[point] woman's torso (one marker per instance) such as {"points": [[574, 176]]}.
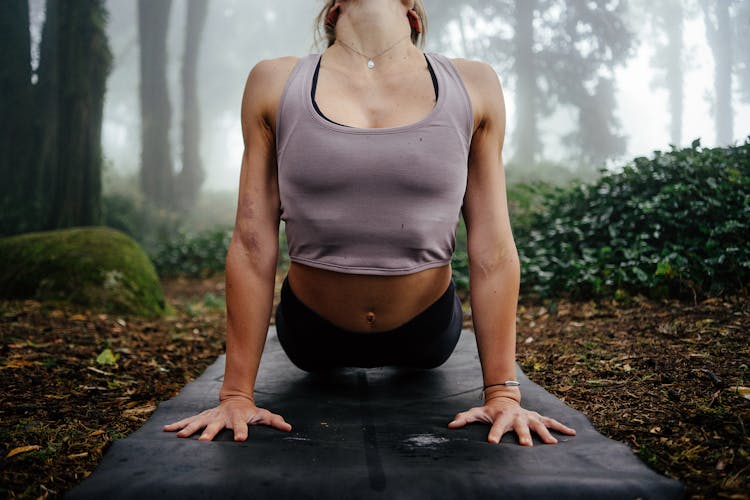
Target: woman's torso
{"points": [[364, 302]]}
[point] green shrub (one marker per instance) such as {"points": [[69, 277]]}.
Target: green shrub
{"points": [[460, 259], [675, 224], [197, 255], [149, 225], [524, 202], [202, 254]]}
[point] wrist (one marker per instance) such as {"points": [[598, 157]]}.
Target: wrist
{"points": [[509, 392], [227, 394]]}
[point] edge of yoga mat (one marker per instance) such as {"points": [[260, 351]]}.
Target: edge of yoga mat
{"points": [[369, 433]]}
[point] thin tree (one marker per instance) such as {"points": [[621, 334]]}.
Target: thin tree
{"points": [[717, 20], [554, 52], [528, 94], [156, 174], [742, 42], [667, 19], [191, 177]]}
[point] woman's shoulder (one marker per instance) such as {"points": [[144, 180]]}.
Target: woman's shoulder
{"points": [[265, 83], [269, 71], [483, 84], [475, 72]]}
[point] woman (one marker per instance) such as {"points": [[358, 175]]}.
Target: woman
{"points": [[369, 152]]}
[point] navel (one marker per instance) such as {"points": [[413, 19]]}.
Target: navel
{"points": [[370, 318]]}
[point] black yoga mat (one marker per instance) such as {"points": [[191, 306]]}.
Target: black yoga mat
{"points": [[369, 433]]}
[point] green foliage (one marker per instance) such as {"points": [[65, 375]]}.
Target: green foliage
{"points": [[125, 208], [676, 224], [460, 259], [196, 255], [107, 357], [147, 224], [201, 254], [547, 172], [524, 202]]}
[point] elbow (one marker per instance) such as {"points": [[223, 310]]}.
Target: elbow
{"points": [[495, 259], [248, 251]]}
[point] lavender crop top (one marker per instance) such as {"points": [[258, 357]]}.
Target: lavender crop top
{"points": [[383, 201]]}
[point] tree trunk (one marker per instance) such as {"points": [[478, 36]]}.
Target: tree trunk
{"points": [[742, 41], [526, 84], [191, 176], [157, 177], [15, 126], [674, 70], [719, 37], [83, 62], [598, 127], [46, 98]]}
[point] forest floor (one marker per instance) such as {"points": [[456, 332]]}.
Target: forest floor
{"points": [[666, 378]]}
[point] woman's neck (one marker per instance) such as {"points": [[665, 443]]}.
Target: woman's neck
{"points": [[371, 27]]}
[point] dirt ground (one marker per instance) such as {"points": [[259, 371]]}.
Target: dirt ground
{"points": [[668, 379]]}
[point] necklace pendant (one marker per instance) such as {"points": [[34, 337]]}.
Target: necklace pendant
{"points": [[370, 64]]}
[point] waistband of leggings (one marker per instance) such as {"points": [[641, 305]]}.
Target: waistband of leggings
{"points": [[447, 300]]}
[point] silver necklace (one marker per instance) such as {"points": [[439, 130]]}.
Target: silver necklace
{"points": [[370, 62]]}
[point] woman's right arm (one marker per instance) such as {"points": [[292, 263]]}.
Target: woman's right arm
{"points": [[250, 264]]}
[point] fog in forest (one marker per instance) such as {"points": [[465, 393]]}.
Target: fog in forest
{"points": [[587, 84]]}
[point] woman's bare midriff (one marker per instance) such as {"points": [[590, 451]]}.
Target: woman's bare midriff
{"points": [[367, 303]]}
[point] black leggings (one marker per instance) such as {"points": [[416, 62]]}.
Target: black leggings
{"points": [[313, 343]]}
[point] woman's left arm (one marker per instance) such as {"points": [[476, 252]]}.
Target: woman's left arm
{"points": [[494, 268]]}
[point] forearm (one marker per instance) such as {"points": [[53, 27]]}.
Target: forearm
{"points": [[249, 297], [494, 298]]}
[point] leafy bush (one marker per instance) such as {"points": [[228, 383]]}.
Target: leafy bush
{"points": [[525, 200], [676, 224], [460, 259], [197, 255], [202, 254], [147, 224]]}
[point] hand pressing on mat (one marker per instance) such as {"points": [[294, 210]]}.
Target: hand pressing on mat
{"points": [[234, 413], [505, 414]]}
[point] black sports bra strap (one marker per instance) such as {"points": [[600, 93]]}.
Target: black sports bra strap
{"points": [[315, 85]]}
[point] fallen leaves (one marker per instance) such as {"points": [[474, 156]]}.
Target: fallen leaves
{"points": [[74, 381], [22, 449], [106, 357], [667, 378], [140, 410], [630, 370], [18, 363]]}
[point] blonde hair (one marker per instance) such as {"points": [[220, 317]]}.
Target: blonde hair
{"points": [[327, 33]]}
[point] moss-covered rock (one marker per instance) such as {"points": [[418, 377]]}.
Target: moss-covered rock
{"points": [[96, 267]]}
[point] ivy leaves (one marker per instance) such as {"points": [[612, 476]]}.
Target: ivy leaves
{"points": [[671, 225]]}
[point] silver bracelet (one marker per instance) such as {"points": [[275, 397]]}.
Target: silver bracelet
{"points": [[509, 383]]}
